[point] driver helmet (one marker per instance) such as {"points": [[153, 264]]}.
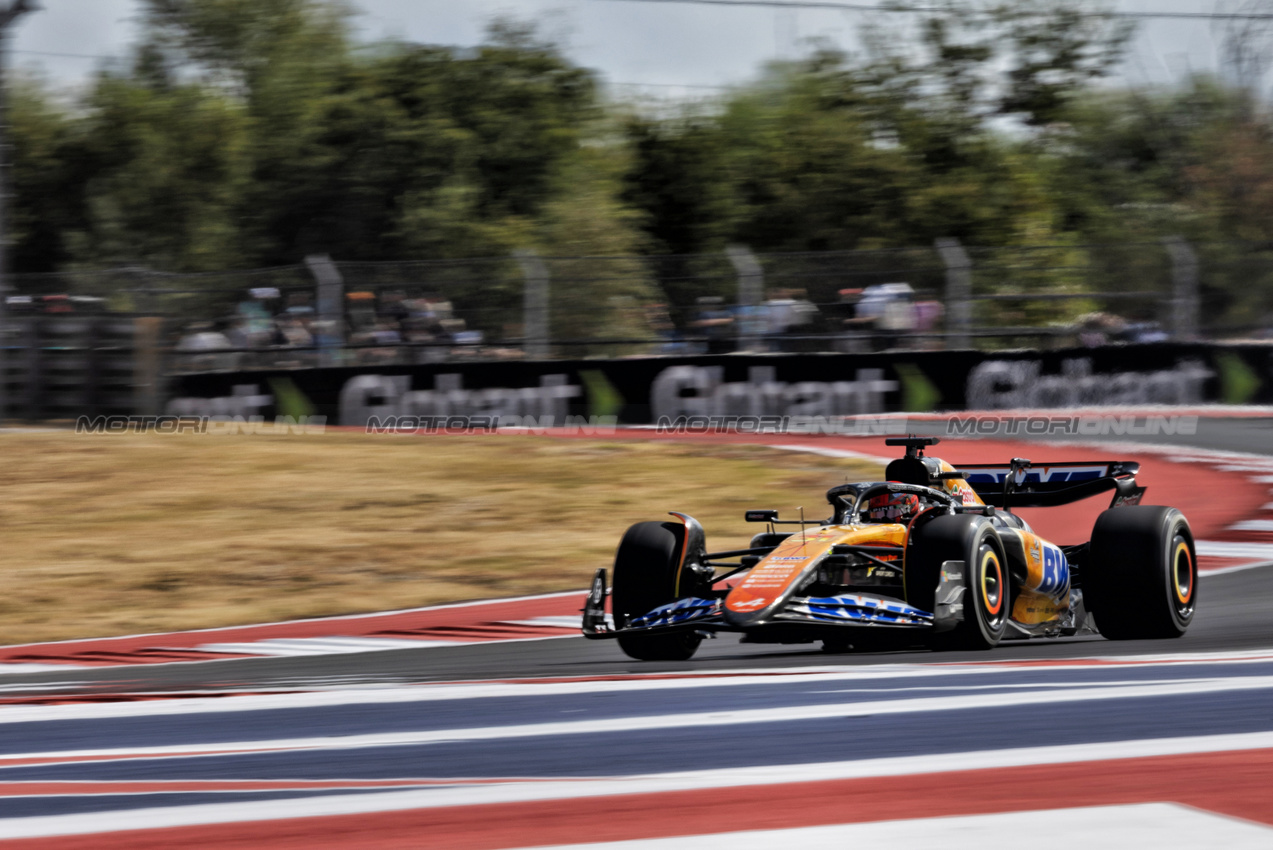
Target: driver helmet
{"points": [[893, 507]]}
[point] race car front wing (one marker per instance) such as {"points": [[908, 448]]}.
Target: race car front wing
{"points": [[842, 611]]}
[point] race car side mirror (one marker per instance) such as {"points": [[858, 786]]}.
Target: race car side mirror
{"points": [[760, 516]]}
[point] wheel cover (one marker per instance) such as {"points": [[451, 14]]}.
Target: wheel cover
{"points": [[1182, 575], [992, 595]]}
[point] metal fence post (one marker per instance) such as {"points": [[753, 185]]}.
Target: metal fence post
{"points": [[1184, 285], [958, 292], [331, 308], [751, 287], [534, 304], [146, 365]]}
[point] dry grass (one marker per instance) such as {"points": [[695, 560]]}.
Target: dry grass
{"points": [[124, 534]]}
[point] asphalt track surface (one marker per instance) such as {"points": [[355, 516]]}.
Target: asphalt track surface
{"points": [[565, 741]]}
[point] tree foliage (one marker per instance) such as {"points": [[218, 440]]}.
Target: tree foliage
{"points": [[255, 132]]}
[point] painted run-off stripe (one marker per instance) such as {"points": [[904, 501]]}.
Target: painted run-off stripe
{"points": [[123, 788], [295, 647], [1164, 826], [71, 788], [1050, 697], [1208, 662], [1131, 766], [311, 621]]}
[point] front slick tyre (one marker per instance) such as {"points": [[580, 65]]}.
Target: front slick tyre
{"points": [[987, 594], [1143, 579], [645, 576]]}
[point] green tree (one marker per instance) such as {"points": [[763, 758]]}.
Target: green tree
{"points": [[164, 171], [46, 179]]}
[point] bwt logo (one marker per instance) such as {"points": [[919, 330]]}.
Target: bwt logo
{"points": [[281, 425]]}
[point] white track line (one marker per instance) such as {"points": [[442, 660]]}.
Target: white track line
{"points": [[299, 647], [1253, 525], [1237, 568]]}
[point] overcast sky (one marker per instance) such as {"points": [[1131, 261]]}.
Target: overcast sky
{"points": [[657, 45]]}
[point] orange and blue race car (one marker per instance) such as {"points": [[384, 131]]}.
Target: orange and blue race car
{"points": [[933, 553]]}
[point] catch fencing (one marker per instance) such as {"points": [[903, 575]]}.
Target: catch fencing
{"points": [[1035, 296], [329, 314]]}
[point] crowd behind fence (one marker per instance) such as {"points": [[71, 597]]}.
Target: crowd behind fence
{"points": [[325, 313]]}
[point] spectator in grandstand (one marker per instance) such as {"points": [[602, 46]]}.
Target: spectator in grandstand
{"points": [[714, 324], [392, 307], [788, 314], [258, 321], [386, 333], [855, 331], [928, 319], [295, 332], [203, 349], [299, 304], [1097, 329], [660, 322], [360, 311], [1144, 332], [237, 332], [891, 309]]}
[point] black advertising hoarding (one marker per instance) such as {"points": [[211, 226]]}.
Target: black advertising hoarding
{"points": [[643, 390]]}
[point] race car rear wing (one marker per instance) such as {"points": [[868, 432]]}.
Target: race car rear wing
{"points": [[1022, 484]]}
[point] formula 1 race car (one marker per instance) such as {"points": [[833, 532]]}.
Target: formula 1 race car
{"points": [[932, 554]]}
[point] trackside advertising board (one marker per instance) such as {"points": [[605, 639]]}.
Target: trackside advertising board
{"points": [[650, 390]]}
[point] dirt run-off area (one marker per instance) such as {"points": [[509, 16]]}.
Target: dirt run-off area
{"points": [[132, 533]]}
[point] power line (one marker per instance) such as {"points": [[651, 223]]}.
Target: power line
{"points": [[904, 9]]}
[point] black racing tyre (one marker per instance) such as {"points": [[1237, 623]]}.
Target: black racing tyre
{"points": [[987, 585], [1142, 581], [645, 570]]}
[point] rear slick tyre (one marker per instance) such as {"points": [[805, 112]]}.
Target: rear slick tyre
{"points": [[645, 569], [1143, 580]]}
